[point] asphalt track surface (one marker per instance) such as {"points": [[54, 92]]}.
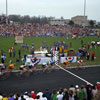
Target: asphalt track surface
{"points": [[53, 80]]}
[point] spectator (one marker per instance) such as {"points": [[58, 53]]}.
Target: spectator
{"points": [[14, 52], [88, 55], [19, 53], [48, 94], [72, 88], [81, 93], [70, 44], [30, 98], [25, 96], [17, 96], [3, 58], [88, 45], [66, 96], [43, 97], [98, 86], [94, 91], [97, 97], [1, 97], [89, 92], [60, 96], [11, 97], [5, 97], [93, 55], [37, 97], [40, 93], [54, 95], [22, 98], [33, 95], [71, 97]]}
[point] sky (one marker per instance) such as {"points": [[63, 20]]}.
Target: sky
{"points": [[54, 8]]}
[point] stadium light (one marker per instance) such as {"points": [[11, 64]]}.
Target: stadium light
{"points": [[6, 11], [84, 13]]}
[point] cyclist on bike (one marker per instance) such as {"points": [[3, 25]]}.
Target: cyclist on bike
{"points": [[2, 69], [80, 63], [44, 66], [66, 63], [11, 67], [22, 69], [52, 63]]}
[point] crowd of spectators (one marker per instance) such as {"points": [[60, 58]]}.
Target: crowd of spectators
{"points": [[73, 93], [44, 30]]}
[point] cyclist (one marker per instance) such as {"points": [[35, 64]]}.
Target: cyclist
{"points": [[11, 67], [52, 63], [22, 69], [66, 64], [44, 66], [2, 69], [80, 63]]}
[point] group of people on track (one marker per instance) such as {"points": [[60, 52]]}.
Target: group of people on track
{"points": [[67, 63], [45, 66]]}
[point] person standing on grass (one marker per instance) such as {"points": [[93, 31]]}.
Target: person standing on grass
{"points": [[10, 52], [19, 53], [88, 45], [93, 55], [3, 58], [88, 55], [70, 44], [81, 42], [14, 52]]}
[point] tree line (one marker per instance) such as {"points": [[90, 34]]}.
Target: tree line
{"points": [[26, 19]]}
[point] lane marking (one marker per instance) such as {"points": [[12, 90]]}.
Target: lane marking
{"points": [[73, 74]]}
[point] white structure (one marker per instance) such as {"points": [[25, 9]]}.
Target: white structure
{"points": [[59, 21], [79, 20]]}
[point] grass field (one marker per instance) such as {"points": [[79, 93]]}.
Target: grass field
{"points": [[7, 42]]}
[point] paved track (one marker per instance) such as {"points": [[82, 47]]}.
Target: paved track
{"points": [[55, 79]]}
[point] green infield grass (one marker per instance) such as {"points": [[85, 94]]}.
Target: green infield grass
{"points": [[7, 42]]}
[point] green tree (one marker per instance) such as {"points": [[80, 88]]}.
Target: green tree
{"points": [[71, 23], [91, 22]]}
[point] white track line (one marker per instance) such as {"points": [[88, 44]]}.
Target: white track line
{"points": [[74, 75]]}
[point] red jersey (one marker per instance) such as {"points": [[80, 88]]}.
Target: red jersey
{"points": [[98, 86], [33, 95]]}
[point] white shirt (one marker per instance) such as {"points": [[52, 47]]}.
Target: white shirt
{"points": [[1, 97], [94, 91], [72, 89], [60, 97], [40, 94]]}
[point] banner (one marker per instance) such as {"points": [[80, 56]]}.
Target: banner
{"points": [[70, 59], [19, 39], [30, 61]]}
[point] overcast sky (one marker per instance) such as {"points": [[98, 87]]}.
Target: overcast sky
{"points": [[54, 8]]}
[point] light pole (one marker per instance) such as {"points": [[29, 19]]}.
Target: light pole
{"points": [[84, 13], [6, 12]]}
